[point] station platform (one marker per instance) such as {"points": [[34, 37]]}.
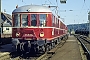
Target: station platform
{"points": [[69, 51]]}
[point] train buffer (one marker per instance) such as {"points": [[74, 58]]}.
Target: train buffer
{"points": [[69, 51]]}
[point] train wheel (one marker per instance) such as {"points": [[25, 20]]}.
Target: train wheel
{"points": [[1, 43], [36, 50], [26, 49], [58, 40], [43, 49], [18, 48], [53, 44], [48, 47]]}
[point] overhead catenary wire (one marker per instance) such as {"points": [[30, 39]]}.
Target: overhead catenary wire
{"points": [[78, 15], [84, 5], [53, 5]]}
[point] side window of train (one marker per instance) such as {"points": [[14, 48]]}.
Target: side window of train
{"points": [[24, 20], [17, 20], [52, 20], [55, 21], [42, 20], [33, 19]]}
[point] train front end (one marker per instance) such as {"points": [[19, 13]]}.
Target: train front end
{"points": [[30, 28]]}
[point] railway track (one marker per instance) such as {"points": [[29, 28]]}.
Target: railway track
{"points": [[31, 56], [4, 56], [85, 45]]}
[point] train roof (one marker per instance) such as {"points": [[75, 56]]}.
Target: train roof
{"points": [[32, 8]]}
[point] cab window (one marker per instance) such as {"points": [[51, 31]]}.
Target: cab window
{"points": [[42, 20], [24, 20], [16, 20], [33, 19]]}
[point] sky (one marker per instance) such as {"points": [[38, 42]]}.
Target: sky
{"points": [[73, 12]]}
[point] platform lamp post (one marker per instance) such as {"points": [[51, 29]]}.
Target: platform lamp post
{"points": [[89, 22]]}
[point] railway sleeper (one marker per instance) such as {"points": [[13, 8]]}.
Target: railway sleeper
{"points": [[51, 52]]}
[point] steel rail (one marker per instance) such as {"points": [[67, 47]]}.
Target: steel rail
{"points": [[87, 52]]}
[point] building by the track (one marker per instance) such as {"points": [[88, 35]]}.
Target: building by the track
{"points": [[6, 25], [74, 27]]}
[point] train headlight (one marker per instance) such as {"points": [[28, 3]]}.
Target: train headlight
{"points": [[42, 34], [17, 34]]}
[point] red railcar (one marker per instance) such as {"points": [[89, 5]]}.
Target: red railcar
{"points": [[36, 27]]}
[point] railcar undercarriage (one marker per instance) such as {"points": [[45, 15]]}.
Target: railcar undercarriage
{"points": [[35, 46]]}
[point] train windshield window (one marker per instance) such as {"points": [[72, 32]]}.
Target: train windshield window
{"points": [[17, 20], [42, 20], [24, 20], [33, 19]]}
